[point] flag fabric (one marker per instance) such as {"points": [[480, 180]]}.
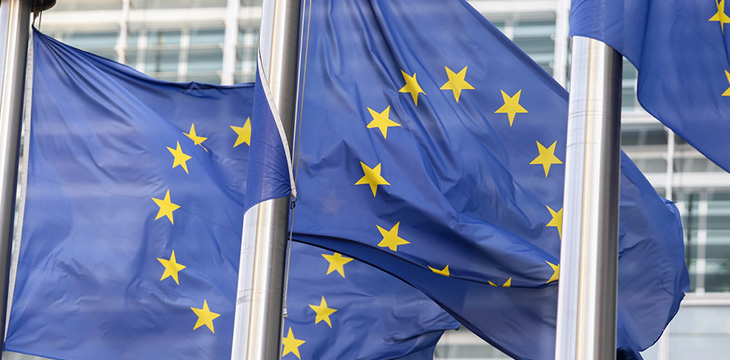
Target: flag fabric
{"points": [[269, 156], [336, 306], [132, 226], [132, 223], [433, 148], [681, 52]]}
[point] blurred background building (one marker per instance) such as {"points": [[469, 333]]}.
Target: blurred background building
{"points": [[216, 41]]}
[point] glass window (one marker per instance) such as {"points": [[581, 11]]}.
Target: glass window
{"points": [[678, 140], [652, 165], [499, 25], [468, 351], [713, 167], [630, 137], [167, 4], [690, 222], [707, 238], [131, 57], [717, 253], [628, 98], [539, 29], [160, 37], [209, 77], [162, 60], [694, 164], [205, 60], [536, 39], [132, 38], [246, 50], [207, 36], [697, 332], [629, 102], [66, 5], [535, 45], [656, 137], [699, 165], [99, 43], [172, 77], [636, 137], [91, 40], [205, 55]]}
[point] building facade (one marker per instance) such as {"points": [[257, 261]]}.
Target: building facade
{"points": [[216, 41]]}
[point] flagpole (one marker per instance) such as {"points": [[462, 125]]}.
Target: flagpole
{"points": [[587, 297], [14, 32], [258, 325]]}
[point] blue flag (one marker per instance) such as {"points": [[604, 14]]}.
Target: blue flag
{"points": [[433, 148], [681, 51], [336, 310], [269, 154], [133, 216]]}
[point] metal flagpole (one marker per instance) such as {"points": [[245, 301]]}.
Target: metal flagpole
{"points": [[14, 31], [586, 324], [257, 328]]}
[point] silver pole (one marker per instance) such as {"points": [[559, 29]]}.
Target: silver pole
{"points": [[258, 324], [257, 327], [586, 324], [15, 22]]}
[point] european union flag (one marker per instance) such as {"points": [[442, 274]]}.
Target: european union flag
{"points": [[269, 156], [133, 216], [132, 224], [681, 51], [433, 148], [336, 310]]}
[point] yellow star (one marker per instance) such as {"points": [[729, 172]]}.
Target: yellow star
{"points": [[166, 207], [381, 121], [391, 239], [546, 158], [727, 92], [411, 86], [205, 317], [291, 344], [720, 15], [456, 82], [372, 177], [556, 272], [197, 140], [244, 133], [171, 268], [557, 220], [323, 312], [511, 106], [444, 272], [181, 158], [507, 283], [337, 262]]}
